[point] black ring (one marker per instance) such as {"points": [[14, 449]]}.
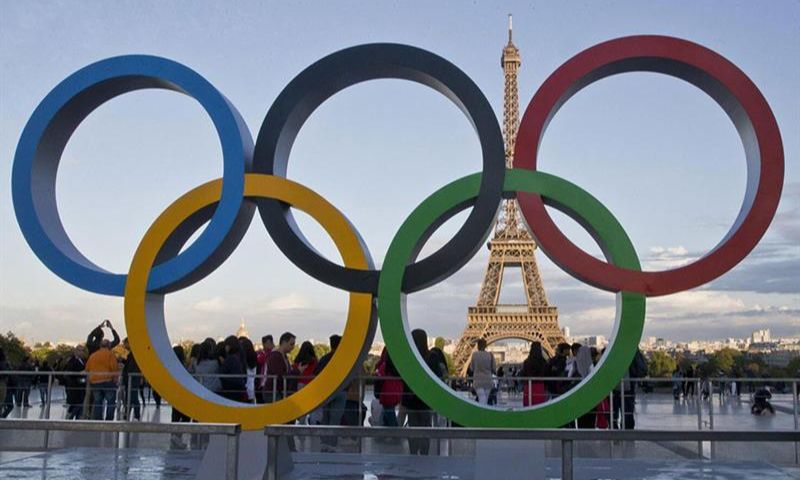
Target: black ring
{"points": [[337, 71]]}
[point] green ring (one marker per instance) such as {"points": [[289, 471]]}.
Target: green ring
{"points": [[628, 326]]}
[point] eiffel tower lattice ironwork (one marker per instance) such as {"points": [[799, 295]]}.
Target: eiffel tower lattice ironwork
{"points": [[511, 246]]}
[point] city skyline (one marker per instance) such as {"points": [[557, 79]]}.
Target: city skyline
{"points": [[674, 207]]}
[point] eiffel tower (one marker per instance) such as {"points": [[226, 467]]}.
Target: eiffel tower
{"points": [[511, 246]]}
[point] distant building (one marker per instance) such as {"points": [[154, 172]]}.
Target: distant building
{"points": [[761, 336], [242, 332], [597, 341], [780, 358]]}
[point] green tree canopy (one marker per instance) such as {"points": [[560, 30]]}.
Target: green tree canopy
{"points": [[724, 360], [14, 349], [661, 364]]}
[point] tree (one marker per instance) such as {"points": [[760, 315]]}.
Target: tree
{"points": [[793, 367], [661, 365], [724, 360], [54, 355], [14, 349], [58, 356]]}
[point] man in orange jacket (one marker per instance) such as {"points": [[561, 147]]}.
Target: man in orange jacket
{"points": [[102, 368]]}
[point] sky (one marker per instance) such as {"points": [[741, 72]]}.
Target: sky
{"points": [[659, 153]]}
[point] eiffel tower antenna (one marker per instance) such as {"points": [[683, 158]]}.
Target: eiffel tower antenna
{"points": [[511, 246]]}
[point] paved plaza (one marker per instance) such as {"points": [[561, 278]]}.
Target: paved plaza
{"points": [[80, 455]]}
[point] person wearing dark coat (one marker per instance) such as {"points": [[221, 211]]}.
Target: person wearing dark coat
{"points": [[419, 413], [75, 385], [557, 367], [233, 388], [132, 383]]}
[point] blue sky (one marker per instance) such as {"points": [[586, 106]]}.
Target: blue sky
{"points": [[659, 153]]}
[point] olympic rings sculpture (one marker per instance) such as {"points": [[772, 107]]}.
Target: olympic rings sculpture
{"points": [[254, 178]]}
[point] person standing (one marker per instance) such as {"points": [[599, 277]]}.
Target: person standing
{"points": [[534, 391], [583, 367], [102, 367], [571, 367], [354, 410], [390, 391], [267, 345], [676, 384], [278, 367], [556, 368], [637, 369], [132, 383], [176, 439], [418, 412], [75, 385], [305, 362], [250, 362], [438, 358], [482, 365], [207, 369], [333, 410], [43, 380], [233, 371], [688, 382]]}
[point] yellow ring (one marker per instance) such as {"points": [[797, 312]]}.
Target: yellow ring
{"points": [[147, 330]]}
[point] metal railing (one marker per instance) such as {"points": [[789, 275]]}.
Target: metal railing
{"points": [[229, 430], [565, 436], [509, 393]]}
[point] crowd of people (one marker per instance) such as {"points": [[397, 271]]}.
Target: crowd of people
{"points": [[16, 389], [541, 379], [98, 381]]}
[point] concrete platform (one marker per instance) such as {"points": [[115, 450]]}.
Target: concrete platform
{"points": [[149, 464]]}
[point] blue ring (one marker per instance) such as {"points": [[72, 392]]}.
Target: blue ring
{"points": [[47, 132]]}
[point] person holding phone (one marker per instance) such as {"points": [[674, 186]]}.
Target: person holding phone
{"points": [[97, 335]]}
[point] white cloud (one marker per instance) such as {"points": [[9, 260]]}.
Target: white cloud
{"points": [[663, 258], [215, 304], [293, 301], [694, 303]]}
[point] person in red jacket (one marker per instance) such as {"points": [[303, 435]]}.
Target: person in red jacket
{"points": [[391, 389], [278, 367], [305, 362], [534, 391], [267, 345]]}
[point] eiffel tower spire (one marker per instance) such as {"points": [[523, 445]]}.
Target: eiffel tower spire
{"points": [[508, 225], [511, 246]]}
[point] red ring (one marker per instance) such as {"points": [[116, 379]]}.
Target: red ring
{"points": [[721, 80]]}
